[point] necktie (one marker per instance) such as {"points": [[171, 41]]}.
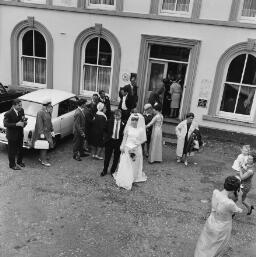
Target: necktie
{"points": [[116, 128]]}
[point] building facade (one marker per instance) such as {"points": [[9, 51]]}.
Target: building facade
{"points": [[83, 46]]}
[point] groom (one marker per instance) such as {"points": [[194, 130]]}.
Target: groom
{"points": [[113, 139]]}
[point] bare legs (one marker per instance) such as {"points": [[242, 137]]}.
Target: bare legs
{"points": [[247, 204], [97, 152]]}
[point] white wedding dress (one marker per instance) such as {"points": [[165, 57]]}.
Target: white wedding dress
{"points": [[130, 169]]}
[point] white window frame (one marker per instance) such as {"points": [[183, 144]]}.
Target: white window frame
{"points": [[235, 116], [34, 1], [245, 18], [176, 13], [27, 83], [88, 92], [101, 6]]}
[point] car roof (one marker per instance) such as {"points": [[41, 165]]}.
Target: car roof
{"points": [[38, 96]]}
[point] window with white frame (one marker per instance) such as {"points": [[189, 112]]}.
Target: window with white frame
{"points": [[33, 58], [96, 66], [108, 4], [181, 7], [238, 97], [248, 9]]}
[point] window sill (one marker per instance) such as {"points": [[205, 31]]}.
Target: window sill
{"points": [[229, 121], [175, 14]]}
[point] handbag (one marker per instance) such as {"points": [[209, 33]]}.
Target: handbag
{"points": [[41, 144]]}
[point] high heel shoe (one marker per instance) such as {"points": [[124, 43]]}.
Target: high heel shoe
{"points": [[250, 212], [186, 163]]}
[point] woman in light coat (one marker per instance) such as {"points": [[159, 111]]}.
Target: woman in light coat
{"points": [[183, 132]]}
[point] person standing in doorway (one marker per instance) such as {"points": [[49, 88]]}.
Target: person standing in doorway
{"points": [[113, 136], [15, 121], [175, 92]]}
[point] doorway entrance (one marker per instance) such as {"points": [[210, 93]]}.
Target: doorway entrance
{"points": [[166, 76]]}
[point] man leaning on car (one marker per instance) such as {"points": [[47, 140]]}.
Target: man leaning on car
{"points": [[15, 121]]}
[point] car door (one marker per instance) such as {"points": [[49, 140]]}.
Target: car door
{"points": [[66, 113]]}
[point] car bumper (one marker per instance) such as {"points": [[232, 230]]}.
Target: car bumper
{"points": [[3, 140]]}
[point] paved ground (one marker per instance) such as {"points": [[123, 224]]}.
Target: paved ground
{"points": [[68, 210]]}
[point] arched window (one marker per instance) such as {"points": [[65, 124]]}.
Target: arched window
{"points": [[96, 65], [238, 96], [33, 58]]}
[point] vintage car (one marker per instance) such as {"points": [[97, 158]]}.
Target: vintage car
{"points": [[7, 94], [64, 105]]}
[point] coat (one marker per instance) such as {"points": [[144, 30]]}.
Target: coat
{"points": [[106, 102], [108, 131], [79, 123], [10, 119], [43, 126], [181, 131]]}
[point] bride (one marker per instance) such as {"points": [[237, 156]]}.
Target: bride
{"points": [[131, 161]]}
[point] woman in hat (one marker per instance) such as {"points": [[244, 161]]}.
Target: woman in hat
{"points": [[217, 229], [156, 144], [44, 130]]}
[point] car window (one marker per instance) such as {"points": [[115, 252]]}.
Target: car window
{"points": [[2, 90], [67, 106]]}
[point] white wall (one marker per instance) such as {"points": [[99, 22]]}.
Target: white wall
{"points": [[137, 6], [215, 9], [66, 26]]}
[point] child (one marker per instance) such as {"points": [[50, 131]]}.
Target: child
{"points": [[241, 160], [148, 116], [246, 182]]}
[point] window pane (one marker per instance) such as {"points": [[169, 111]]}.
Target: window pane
{"points": [[169, 5], [108, 2], [182, 5], [249, 8], [28, 69], [91, 51], [229, 98], [95, 1], [40, 67], [63, 107], [169, 53], [250, 71], [90, 74], [27, 43], [104, 79], [40, 46], [235, 69], [105, 53], [245, 100]]}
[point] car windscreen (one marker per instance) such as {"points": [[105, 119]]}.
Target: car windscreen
{"points": [[31, 108]]}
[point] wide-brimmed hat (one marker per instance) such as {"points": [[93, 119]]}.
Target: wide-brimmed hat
{"points": [[147, 106], [46, 102]]}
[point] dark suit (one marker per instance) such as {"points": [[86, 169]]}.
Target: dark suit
{"points": [[106, 102], [14, 135], [112, 145], [132, 95], [129, 106], [79, 132]]}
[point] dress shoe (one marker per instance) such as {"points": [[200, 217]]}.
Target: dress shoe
{"points": [[103, 173], [77, 158], [98, 157], [15, 168], [21, 164], [84, 154]]}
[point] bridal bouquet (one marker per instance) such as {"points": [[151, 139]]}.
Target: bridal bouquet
{"points": [[132, 155]]}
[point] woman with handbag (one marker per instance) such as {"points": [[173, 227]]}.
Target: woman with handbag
{"points": [[43, 134]]}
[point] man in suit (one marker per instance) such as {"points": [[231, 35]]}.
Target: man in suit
{"points": [[125, 104], [15, 121], [113, 139], [132, 90], [103, 98], [79, 131]]}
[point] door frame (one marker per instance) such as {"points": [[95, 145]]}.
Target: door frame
{"points": [[142, 73]]}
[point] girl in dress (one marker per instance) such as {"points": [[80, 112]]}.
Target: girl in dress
{"points": [[148, 116], [155, 149], [241, 159], [246, 175], [131, 160], [97, 129], [217, 229]]}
